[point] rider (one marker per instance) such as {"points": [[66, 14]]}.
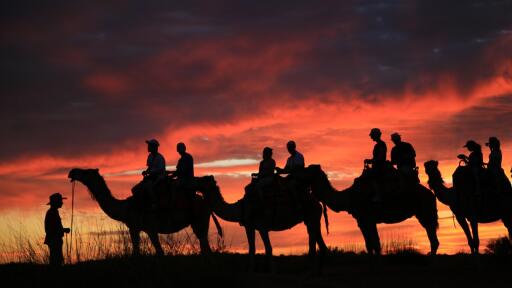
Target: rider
{"points": [[266, 171], [475, 161], [378, 161], [494, 165], [184, 169], [403, 156], [155, 171], [263, 179], [495, 156], [294, 165]]}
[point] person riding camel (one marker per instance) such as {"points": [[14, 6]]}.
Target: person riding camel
{"points": [[475, 162], [378, 162], [184, 170], [155, 171], [496, 173], [294, 165], [495, 156], [262, 180], [403, 156], [265, 175]]}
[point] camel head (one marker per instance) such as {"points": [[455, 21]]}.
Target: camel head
{"points": [[317, 179], [207, 185], [432, 170], [83, 175]]}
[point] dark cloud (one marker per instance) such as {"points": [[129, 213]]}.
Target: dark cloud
{"points": [[92, 77]]}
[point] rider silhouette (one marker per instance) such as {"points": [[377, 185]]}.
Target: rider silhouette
{"points": [[378, 162], [475, 162], [496, 173], [403, 156], [155, 171], [184, 170], [266, 171], [294, 165]]}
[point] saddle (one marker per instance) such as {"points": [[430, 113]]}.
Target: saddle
{"points": [[165, 190], [266, 200]]}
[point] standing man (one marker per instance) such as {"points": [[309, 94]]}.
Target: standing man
{"points": [[54, 230], [155, 171], [184, 169], [403, 156]]}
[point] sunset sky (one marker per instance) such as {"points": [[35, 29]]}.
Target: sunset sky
{"points": [[85, 85]]}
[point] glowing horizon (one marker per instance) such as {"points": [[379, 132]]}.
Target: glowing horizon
{"points": [[85, 89]]}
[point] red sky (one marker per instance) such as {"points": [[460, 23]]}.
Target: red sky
{"points": [[85, 86]]}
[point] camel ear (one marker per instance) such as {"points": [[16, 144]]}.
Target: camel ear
{"points": [[436, 162], [97, 170]]}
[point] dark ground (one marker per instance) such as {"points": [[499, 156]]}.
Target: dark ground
{"points": [[230, 270]]}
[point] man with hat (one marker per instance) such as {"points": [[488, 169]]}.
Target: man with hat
{"points": [[379, 151], [475, 162], [378, 162], [155, 171], [403, 156], [54, 230]]}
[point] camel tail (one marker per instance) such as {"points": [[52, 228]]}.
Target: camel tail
{"points": [[324, 208], [217, 224]]}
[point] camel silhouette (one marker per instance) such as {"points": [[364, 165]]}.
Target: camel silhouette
{"points": [[163, 221], [466, 208], [285, 217], [418, 201]]}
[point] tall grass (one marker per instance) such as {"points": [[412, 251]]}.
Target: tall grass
{"points": [[101, 243]]}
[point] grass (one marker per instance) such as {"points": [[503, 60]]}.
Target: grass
{"points": [[103, 257]]}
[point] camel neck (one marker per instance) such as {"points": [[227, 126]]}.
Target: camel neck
{"points": [[114, 208]]}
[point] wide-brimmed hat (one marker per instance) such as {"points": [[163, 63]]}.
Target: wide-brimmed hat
{"points": [[471, 143], [55, 197]]}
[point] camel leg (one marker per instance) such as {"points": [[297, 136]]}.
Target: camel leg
{"points": [[430, 225], [465, 227], [252, 246], [268, 250], [371, 237], [153, 236], [476, 239], [202, 235], [135, 236], [375, 237]]}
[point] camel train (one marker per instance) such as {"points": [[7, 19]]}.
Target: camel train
{"points": [[390, 196]]}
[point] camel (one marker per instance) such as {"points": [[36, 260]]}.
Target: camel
{"points": [[163, 221], [284, 217], [419, 202], [497, 208]]}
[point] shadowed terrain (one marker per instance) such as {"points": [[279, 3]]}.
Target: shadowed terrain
{"points": [[229, 270]]}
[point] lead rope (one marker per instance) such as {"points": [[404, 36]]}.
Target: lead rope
{"points": [[71, 226]]}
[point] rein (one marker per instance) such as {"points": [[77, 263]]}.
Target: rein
{"points": [[70, 247]]}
